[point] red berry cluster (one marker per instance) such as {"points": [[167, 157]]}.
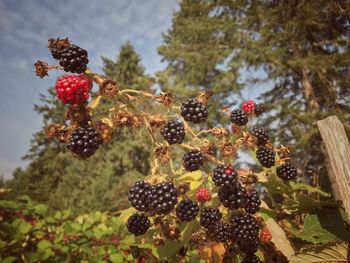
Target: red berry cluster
{"points": [[73, 89], [203, 195], [248, 106]]}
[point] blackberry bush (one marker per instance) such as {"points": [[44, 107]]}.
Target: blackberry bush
{"points": [[187, 210], [286, 172], [138, 224], [139, 196], [209, 216], [233, 196], [194, 111], [173, 132], [266, 157], [224, 174], [84, 141], [192, 160]]}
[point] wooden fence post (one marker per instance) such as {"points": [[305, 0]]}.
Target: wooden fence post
{"points": [[338, 150]]}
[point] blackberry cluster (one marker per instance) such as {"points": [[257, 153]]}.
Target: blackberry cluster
{"points": [[224, 174], [259, 109], [138, 224], [194, 111], [260, 134], [232, 196], [74, 59], [253, 202], [57, 50], [251, 259], [239, 117], [163, 197], [139, 196], [286, 172], [187, 210], [192, 160], [173, 132], [84, 141], [246, 232], [266, 157], [222, 231], [209, 216]]}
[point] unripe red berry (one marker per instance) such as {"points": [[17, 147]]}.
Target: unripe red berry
{"points": [[203, 195], [248, 106], [73, 89], [265, 235]]}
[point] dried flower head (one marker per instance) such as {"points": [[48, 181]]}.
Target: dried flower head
{"points": [[183, 188], [41, 68], [54, 42], [205, 96], [108, 87], [227, 149], [58, 131], [208, 150], [162, 153], [78, 114], [165, 98], [220, 132], [157, 120], [128, 119]]}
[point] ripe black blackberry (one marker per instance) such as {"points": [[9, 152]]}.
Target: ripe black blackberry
{"points": [[138, 224], [84, 141], [57, 50], [259, 109], [253, 202], [173, 132], [260, 134], [251, 258], [239, 117], [194, 111], [139, 196], [187, 210], [245, 228], [248, 247], [232, 196], [222, 231], [266, 157], [286, 172], [163, 197], [74, 59], [224, 174], [209, 216], [192, 160]]}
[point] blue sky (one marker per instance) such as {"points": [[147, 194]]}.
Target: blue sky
{"points": [[100, 26]]}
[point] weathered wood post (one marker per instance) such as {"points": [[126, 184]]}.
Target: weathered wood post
{"points": [[338, 150]]}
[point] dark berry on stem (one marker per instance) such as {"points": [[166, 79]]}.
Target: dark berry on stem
{"points": [[224, 174], [209, 216], [259, 109], [260, 134], [222, 231], [266, 157], [239, 117], [192, 160], [232, 196], [286, 172], [163, 197], [74, 59], [246, 229], [139, 196], [194, 111], [187, 210], [84, 141], [251, 258], [138, 224], [253, 202], [173, 132]]}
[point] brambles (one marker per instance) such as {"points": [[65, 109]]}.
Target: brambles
{"points": [[232, 196], [139, 196], [187, 210], [138, 224], [286, 172], [192, 160], [224, 174], [209, 216], [238, 117], [84, 141], [260, 135], [72, 89], [173, 132], [194, 111], [253, 202], [203, 195], [266, 157], [74, 59]]}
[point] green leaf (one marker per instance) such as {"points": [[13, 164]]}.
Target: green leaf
{"points": [[337, 253], [116, 258], [189, 229], [309, 188], [40, 209], [76, 226], [44, 244], [169, 249], [24, 227], [190, 177], [8, 260]]}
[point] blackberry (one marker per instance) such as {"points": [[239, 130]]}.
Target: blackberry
{"points": [[192, 160], [209, 216], [194, 111], [173, 132], [251, 258], [57, 50], [245, 229], [163, 197], [259, 109], [248, 247], [222, 231], [253, 202], [286, 172], [138, 224], [232, 196], [74, 59], [266, 157], [224, 174], [260, 134], [139, 196], [84, 141], [239, 117], [187, 210]]}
